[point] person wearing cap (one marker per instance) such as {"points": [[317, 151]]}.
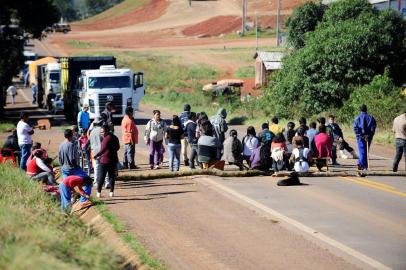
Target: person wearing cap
{"points": [[130, 138], [83, 119], [107, 116], [24, 135], [184, 117]]}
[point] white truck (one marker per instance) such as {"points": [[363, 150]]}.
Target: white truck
{"points": [[52, 78], [96, 81]]}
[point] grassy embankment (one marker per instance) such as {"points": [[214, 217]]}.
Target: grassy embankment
{"points": [[35, 234], [6, 126]]}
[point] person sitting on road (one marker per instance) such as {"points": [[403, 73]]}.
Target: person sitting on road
{"points": [[339, 141], [323, 143], [311, 133], [37, 169], [278, 152], [300, 136], [275, 128], [261, 157], [300, 157], [249, 144], [209, 148], [265, 135], [289, 134], [303, 124], [233, 150]]}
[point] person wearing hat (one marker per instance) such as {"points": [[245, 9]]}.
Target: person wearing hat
{"points": [[83, 119], [130, 138], [107, 116], [184, 117]]}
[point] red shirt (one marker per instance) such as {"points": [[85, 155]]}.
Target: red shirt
{"points": [[75, 181], [323, 144]]}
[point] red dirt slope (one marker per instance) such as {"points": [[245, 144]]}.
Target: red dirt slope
{"points": [[214, 26], [152, 11]]}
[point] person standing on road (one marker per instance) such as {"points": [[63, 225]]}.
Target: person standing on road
{"points": [[191, 127], [34, 89], [107, 116], [364, 129], [184, 117], [83, 119], [220, 125], [130, 138], [108, 159], [399, 127], [174, 135], [69, 156], [95, 144], [24, 135], [12, 91], [154, 136]]}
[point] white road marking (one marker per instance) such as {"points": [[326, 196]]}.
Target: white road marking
{"points": [[320, 236]]}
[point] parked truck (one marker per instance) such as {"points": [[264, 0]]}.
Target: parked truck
{"points": [[96, 81]]}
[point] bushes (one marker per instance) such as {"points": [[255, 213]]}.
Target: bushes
{"points": [[349, 46], [383, 98]]}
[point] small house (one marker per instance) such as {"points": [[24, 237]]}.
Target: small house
{"points": [[265, 64]]}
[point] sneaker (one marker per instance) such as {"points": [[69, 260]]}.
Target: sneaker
{"points": [[98, 194], [111, 194], [156, 167]]}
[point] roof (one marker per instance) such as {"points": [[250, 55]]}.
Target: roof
{"points": [[272, 65], [269, 56]]}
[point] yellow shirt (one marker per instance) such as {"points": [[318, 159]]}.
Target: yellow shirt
{"points": [[276, 129]]}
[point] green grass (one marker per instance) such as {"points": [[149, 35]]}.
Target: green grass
{"points": [[266, 33], [6, 126], [245, 72], [79, 44], [116, 11], [36, 234], [130, 239]]}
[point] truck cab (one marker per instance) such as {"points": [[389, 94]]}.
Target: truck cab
{"points": [[121, 87], [52, 78]]}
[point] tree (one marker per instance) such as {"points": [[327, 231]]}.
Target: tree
{"points": [[303, 20], [353, 43], [32, 16]]}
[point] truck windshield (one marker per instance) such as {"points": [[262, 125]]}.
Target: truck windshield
{"points": [[109, 82], [54, 77]]}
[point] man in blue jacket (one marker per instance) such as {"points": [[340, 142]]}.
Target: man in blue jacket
{"points": [[364, 129], [83, 119]]}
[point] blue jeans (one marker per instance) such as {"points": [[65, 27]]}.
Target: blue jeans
{"points": [[25, 153], [78, 172], [174, 155], [400, 149], [66, 195]]}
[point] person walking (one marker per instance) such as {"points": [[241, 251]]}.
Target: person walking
{"points": [[184, 117], [108, 159], [107, 116], [154, 136], [24, 135], [83, 119], [364, 129], [191, 127], [12, 91], [130, 138], [174, 135], [220, 125], [399, 128], [34, 89]]}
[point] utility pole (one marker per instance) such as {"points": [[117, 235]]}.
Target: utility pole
{"points": [[256, 30], [278, 13], [244, 13]]}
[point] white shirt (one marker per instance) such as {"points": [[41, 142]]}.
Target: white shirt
{"points": [[12, 90], [42, 165], [22, 133], [249, 144], [301, 166]]}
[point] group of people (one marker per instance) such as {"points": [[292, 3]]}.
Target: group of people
{"points": [[91, 148]]}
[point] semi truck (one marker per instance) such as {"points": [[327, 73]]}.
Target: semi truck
{"points": [[96, 81]]}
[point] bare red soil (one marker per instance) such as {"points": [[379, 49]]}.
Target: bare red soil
{"points": [[214, 26], [152, 11]]}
